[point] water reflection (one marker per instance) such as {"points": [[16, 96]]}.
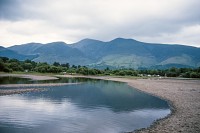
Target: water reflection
{"points": [[40, 115], [94, 106], [114, 95], [17, 80]]}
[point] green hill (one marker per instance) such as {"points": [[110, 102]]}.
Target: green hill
{"points": [[4, 52], [118, 53]]}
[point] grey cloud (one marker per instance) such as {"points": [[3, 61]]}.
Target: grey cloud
{"points": [[10, 9], [17, 10], [72, 20]]}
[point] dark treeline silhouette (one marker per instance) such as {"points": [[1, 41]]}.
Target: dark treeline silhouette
{"points": [[10, 65]]}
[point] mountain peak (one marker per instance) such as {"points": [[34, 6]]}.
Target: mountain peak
{"points": [[1, 47], [119, 39], [119, 52], [57, 43], [88, 40]]}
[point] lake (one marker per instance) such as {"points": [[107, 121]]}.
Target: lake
{"points": [[94, 106]]}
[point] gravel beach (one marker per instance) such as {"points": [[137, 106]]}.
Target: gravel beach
{"points": [[183, 96]]}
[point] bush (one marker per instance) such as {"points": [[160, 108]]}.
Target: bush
{"points": [[194, 75]]}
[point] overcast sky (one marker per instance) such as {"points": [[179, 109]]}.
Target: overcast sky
{"points": [[161, 21]]}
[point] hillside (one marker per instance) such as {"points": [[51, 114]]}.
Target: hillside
{"points": [[4, 52], [60, 52], [117, 53], [130, 53], [28, 48]]}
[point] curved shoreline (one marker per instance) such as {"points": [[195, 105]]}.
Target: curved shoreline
{"points": [[24, 88], [149, 128], [183, 97]]}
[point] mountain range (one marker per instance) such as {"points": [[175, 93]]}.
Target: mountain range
{"points": [[5, 52], [118, 53]]}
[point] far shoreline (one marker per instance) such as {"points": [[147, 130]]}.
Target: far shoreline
{"points": [[182, 95]]}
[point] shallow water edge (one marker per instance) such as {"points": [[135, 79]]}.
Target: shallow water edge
{"points": [[168, 124]]}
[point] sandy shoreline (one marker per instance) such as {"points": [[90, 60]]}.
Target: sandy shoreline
{"points": [[183, 95], [32, 77], [35, 85], [24, 88]]}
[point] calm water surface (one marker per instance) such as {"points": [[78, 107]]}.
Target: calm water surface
{"points": [[95, 106]]}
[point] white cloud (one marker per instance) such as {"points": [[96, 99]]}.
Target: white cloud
{"points": [[28, 31], [72, 20], [188, 35]]}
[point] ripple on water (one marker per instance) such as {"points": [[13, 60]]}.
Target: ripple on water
{"points": [[100, 106]]}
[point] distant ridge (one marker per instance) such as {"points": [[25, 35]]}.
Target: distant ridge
{"points": [[4, 52], [25, 48], [117, 53]]}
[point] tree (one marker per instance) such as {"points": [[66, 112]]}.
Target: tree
{"points": [[4, 59], [15, 66], [66, 65], [54, 69], [4, 67], [27, 61], [122, 73], [194, 75], [107, 69], [92, 72], [27, 66], [56, 64], [73, 66]]}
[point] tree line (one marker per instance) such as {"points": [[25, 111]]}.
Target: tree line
{"points": [[14, 65]]}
